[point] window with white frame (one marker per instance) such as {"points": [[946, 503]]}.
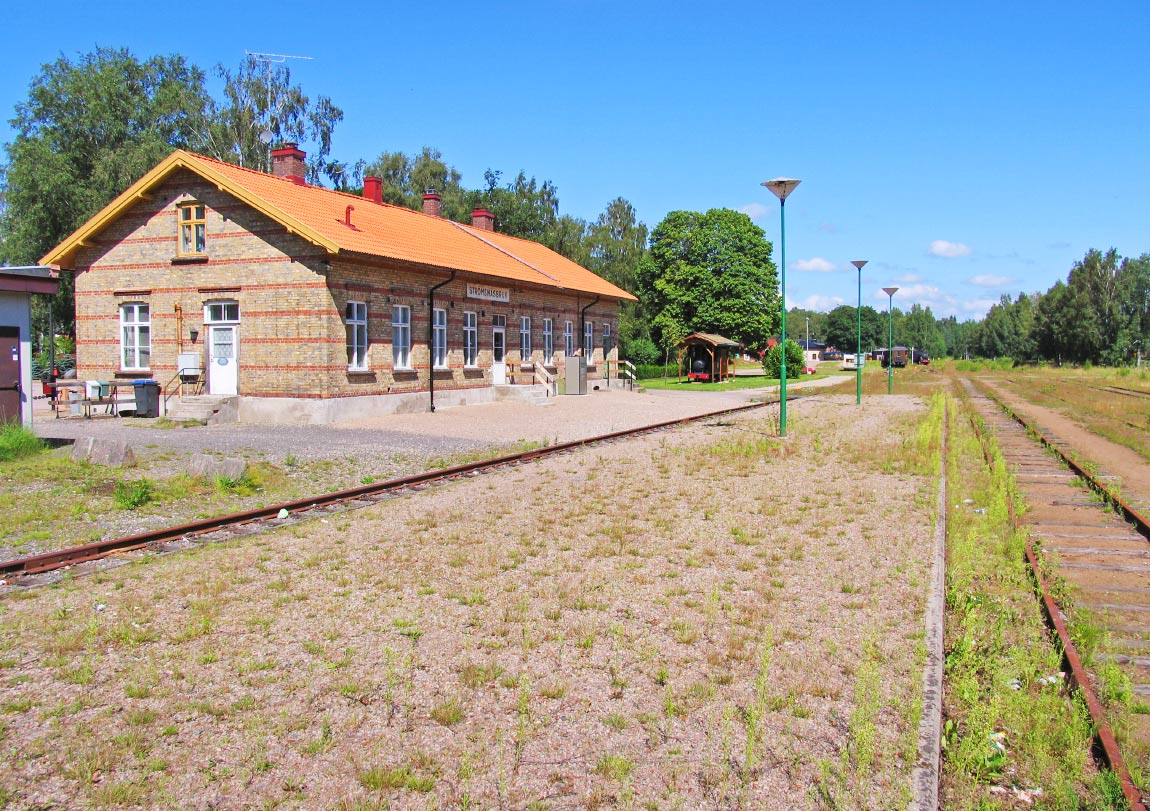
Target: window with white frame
{"points": [[356, 324], [135, 336], [548, 341], [470, 339], [439, 338], [606, 341], [524, 339], [589, 340], [568, 339], [401, 336]]}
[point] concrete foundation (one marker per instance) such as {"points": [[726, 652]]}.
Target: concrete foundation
{"points": [[302, 411]]}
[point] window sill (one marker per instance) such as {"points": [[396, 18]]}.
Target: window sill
{"points": [[360, 372], [199, 259]]}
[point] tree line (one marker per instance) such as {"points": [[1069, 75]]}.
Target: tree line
{"points": [[94, 124]]}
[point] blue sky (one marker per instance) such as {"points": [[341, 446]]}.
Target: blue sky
{"points": [[966, 149]]}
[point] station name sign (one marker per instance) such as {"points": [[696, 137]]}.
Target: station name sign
{"points": [[482, 291]]}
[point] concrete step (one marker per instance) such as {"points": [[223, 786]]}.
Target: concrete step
{"points": [[204, 408]]}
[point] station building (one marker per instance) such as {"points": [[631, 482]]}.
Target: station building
{"points": [[305, 304]]}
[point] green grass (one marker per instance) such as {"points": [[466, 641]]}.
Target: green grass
{"points": [[741, 382], [18, 442]]}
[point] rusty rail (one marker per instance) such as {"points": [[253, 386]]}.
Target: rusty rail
{"points": [[48, 561], [1106, 744]]}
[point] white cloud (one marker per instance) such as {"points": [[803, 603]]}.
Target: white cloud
{"points": [[990, 280], [755, 210], [820, 304], [908, 278], [978, 306], [949, 250], [815, 264], [926, 295]]}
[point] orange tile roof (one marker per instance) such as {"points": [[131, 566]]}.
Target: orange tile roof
{"points": [[382, 230]]}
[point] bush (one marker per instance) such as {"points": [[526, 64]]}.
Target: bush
{"points": [[16, 442], [133, 494], [652, 370], [41, 369], [642, 352], [773, 360]]}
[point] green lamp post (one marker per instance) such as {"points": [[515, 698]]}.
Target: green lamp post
{"points": [[858, 263], [890, 291], [781, 187]]}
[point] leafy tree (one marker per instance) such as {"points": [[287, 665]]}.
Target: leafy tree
{"points": [[773, 360], [568, 237], [1008, 330], [710, 272], [406, 179], [615, 245], [262, 107], [842, 325], [522, 208], [958, 336], [1133, 308], [920, 331], [89, 128]]}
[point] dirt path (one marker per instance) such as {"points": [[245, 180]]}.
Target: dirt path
{"points": [[1110, 458]]}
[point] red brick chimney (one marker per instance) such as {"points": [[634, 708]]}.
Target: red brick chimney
{"points": [[483, 219], [373, 189], [288, 163], [432, 203]]}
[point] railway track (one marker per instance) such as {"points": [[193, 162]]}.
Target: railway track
{"points": [[1099, 545], [43, 568]]}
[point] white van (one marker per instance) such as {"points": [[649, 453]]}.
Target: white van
{"points": [[849, 364]]}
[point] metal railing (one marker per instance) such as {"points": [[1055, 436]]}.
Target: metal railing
{"points": [[189, 378]]}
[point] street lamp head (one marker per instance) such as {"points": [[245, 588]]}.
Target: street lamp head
{"points": [[858, 263], [890, 291], [781, 187]]}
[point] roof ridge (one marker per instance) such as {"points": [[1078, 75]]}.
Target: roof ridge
{"points": [[502, 250]]}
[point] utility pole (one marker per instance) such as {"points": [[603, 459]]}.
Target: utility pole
{"points": [[269, 59]]}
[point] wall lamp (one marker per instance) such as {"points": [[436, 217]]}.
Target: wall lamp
{"points": [[194, 334]]}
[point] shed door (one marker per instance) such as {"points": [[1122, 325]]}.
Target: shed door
{"points": [[9, 374]]}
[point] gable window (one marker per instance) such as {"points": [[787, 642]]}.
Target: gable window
{"points": [[193, 229], [356, 335], [470, 339], [401, 336], [439, 338], [589, 340], [135, 336], [524, 339], [548, 341], [568, 339]]}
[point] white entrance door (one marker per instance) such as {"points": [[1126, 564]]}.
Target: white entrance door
{"points": [[223, 357], [498, 355]]}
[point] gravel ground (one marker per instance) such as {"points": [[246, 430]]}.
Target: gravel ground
{"points": [[696, 619]]}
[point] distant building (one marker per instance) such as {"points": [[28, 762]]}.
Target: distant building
{"points": [[17, 286]]}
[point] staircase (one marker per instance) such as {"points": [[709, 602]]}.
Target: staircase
{"points": [[208, 409]]}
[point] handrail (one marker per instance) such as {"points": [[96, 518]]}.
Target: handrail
{"points": [[627, 373], [180, 375], [547, 379]]}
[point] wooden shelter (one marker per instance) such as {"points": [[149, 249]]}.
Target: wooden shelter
{"points": [[709, 357]]}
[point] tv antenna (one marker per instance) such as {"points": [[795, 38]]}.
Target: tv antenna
{"points": [[270, 59]]}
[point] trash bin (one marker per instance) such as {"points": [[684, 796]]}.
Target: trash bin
{"points": [[147, 398]]}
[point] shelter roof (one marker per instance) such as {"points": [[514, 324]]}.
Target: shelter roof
{"points": [[347, 224], [709, 338]]}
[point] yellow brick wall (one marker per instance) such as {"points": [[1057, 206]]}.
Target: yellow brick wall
{"points": [[291, 297]]}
